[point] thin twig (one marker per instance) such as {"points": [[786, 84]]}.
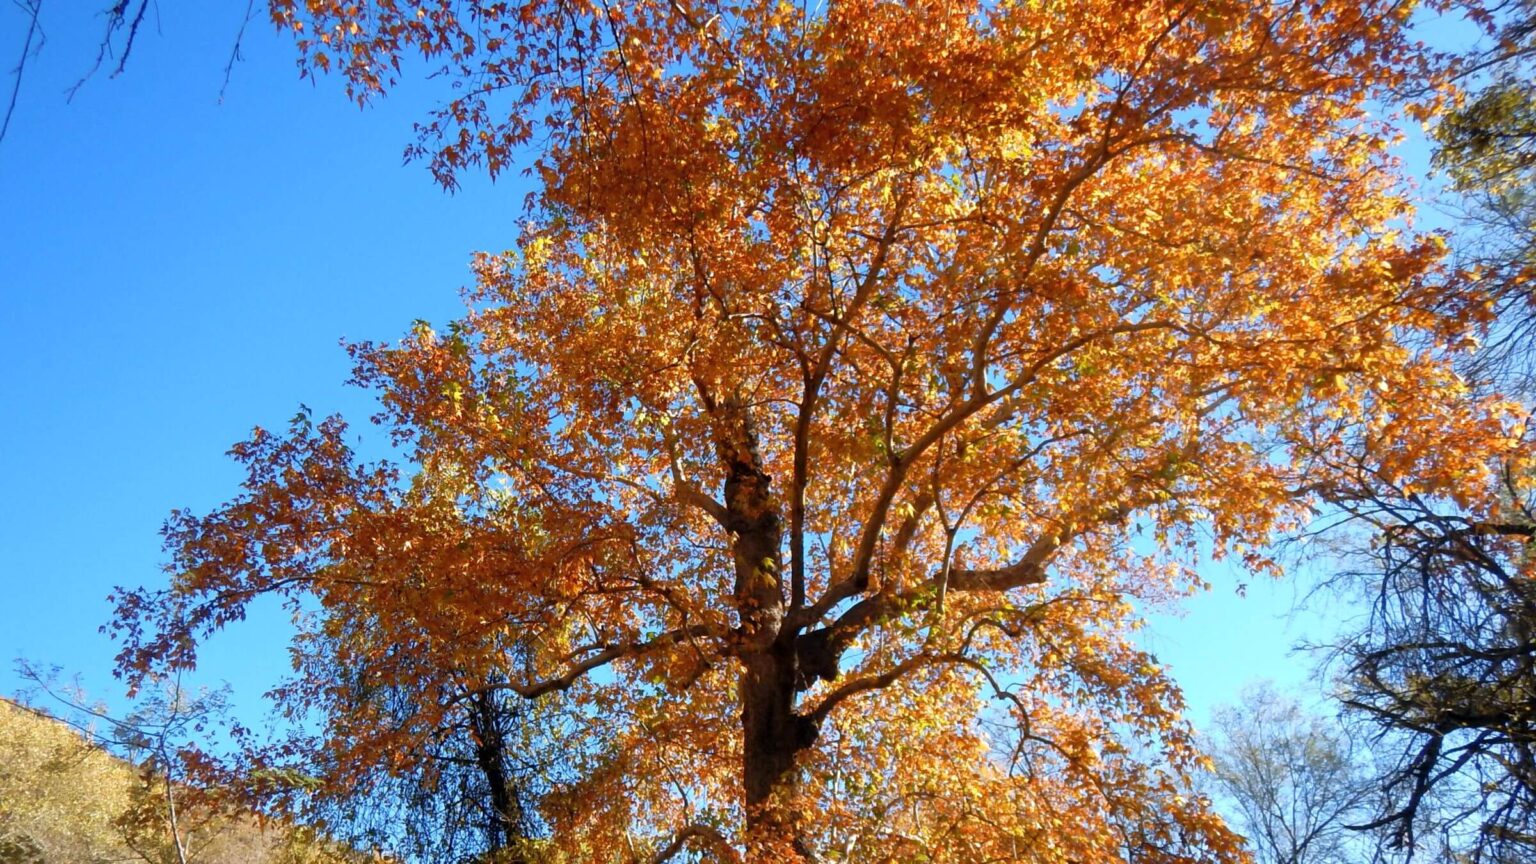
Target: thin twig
{"points": [[33, 7], [234, 52]]}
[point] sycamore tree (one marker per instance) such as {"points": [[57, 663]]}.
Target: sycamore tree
{"points": [[861, 372]]}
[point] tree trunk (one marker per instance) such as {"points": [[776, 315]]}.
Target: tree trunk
{"points": [[772, 733], [505, 829], [772, 736]]}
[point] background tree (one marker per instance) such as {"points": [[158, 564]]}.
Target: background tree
{"points": [[460, 786], [1487, 147], [1443, 670], [1439, 670], [804, 438], [1293, 780]]}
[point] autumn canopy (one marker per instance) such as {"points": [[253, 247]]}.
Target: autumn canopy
{"points": [[862, 373]]}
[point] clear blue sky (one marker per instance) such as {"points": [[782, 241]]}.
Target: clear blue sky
{"points": [[174, 271]]}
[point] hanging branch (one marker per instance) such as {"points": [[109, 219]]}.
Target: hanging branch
{"points": [[117, 19]]}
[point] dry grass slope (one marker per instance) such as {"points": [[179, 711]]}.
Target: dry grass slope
{"points": [[65, 801]]}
